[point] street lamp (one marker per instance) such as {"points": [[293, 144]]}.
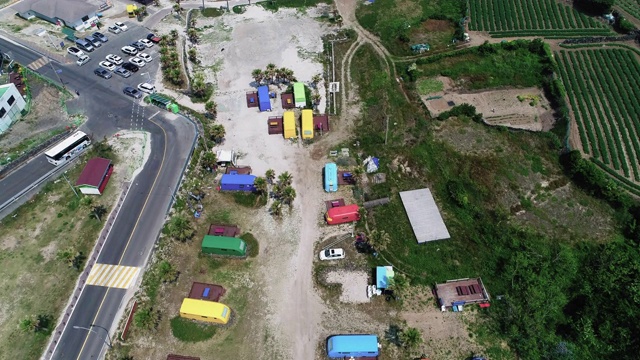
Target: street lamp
{"points": [[107, 341], [148, 77]]}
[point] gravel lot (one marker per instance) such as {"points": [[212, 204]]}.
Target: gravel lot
{"points": [[354, 285]]}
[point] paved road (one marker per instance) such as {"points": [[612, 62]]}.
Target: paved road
{"points": [[136, 228]]}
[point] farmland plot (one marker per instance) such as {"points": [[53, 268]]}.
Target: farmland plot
{"points": [[603, 86], [531, 18], [630, 6]]}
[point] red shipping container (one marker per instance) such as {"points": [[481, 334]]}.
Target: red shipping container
{"points": [[343, 214]]}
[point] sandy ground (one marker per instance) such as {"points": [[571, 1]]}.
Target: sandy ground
{"points": [[133, 150], [499, 107], [354, 285]]}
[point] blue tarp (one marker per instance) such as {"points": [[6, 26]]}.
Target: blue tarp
{"points": [[382, 277], [340, 346], [263, 98]]}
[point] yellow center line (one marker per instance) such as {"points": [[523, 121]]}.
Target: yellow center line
{"points": [[164, 153]]}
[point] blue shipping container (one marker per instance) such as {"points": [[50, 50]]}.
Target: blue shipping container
{"points": [[263, 98], [330, 177], [230, 182], [340, 346]]}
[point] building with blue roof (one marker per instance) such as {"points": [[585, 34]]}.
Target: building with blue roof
{"points": [[352, 345], [237, 182]]}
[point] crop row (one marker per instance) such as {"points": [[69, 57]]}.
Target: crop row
{"points": [[603, 86], [500, 15], [558, 34], [630, 6]]}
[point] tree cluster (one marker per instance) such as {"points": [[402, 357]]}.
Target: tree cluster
{"points": [[273, 75], [170, 59]]}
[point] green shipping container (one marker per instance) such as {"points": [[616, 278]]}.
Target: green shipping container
{"points": [[224, 245]]}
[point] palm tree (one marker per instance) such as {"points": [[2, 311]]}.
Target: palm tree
{"points": [[288, 195], [193, 55], [97, 212], [217, 133], [285, 179], [180, 228], [174, 36], [270, 72], [198, 86], [30, 324], [260, 184], [276, 208], [193, 35], [411, 338], [211, 108], [379, 239], [257, 75], [209, 161], [177, 8], [316, 97], [399, 283], [270, 175], [316, 79], [156, 2]]}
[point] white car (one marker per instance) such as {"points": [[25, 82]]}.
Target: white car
{"points": [[114, 29], [129, 50], [74, 51], [83, 60], [137, 62], [148, 88], [332, 254], [107, 65], [146, 57], [114, 59], [146, 42], [121, 26]]}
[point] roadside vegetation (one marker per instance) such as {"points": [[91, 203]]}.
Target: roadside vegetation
{"points": [[538, 241], [43, 247]]}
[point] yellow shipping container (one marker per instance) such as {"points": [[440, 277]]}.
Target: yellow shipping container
{"points": [[203, 310], [307, 124], [289, 124], [131, 10]]}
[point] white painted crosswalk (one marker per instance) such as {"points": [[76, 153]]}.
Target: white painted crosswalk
{"points": [[114, 276], [38, 63]]}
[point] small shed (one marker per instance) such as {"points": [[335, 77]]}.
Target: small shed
{"points": [[352, 345], [204, 291], [307, 124], [163, 102], [287, 101], [224, 230], [274, 125], [230, 182], [330, 177], [383, 276], [300, 98], [224, 245], [289, 125], [226, 158], [95, 176], [321, 122], [264, 103], [252, 99], [203, 310]]}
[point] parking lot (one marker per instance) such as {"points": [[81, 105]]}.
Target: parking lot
{"points": [[135, 32]]}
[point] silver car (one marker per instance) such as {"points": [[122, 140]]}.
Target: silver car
{"points": [[122, 72]]}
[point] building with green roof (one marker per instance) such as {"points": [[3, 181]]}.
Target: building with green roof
{"points": [[300, 98], [224, 245]]}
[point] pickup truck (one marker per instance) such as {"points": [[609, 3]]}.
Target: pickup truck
{"points": [[153, 38]]}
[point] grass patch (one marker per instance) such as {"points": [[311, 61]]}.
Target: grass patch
{"points": [[190, 331], [212, 12], [239, 9], [277, 4], [429, 86], [252, 244], [250, 200]]}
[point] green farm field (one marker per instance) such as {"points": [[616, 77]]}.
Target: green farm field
{"points": [[603, 90], [531, 18], [630, 6]]}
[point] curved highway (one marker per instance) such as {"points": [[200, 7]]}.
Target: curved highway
{"points": [[142, 215]]}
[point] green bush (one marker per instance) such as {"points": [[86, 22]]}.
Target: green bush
{"points": [[252, 244], [212, 12], [190, 331]]}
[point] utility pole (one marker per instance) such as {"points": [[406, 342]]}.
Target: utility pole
{"points": [[386, 131], [71, 186]]}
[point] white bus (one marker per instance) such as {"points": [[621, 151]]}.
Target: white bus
{"points": [[68, 148]]}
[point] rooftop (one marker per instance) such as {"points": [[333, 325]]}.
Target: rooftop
{"points": [[199, 291], [424, 215], [69, 10], [224, 230], [94, 172], [462, 291]]}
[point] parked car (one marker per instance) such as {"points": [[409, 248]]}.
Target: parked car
{"points": [[84, 45], [122, 72], [146, 42], [100, 36], [134, 93], [83, 60], [138, 45], [129, 50], [107, 65], [131, 67], [102, 73], [332, 254], [114, 29], [137, 62], [153, 38], [114, 59], [146, 57], [120, 25], [148, 88], [75, 51], [93, 41]]}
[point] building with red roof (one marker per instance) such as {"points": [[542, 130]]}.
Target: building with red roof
{"points": [[95, 176]]}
